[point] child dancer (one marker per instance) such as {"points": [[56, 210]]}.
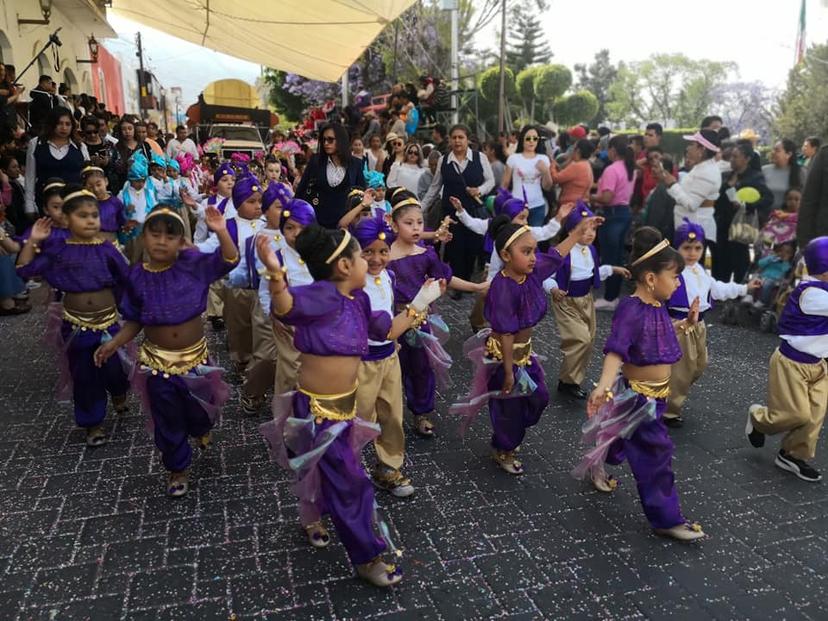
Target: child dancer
{"points": [[413, 264], [316, 424], [249, 334], [110, 207], [53, 208], [379, 395], [165, 297], [288, 222], [178, 188], [694, 282], [574, 307], [360, 205], [91, 273], [626, 407], [515, 304], [798, 373], [223, 179], [138, 200]]}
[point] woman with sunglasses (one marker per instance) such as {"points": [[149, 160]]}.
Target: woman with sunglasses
{"points": [[395, 151], [408, 172], [330, 175], [527, 172]]}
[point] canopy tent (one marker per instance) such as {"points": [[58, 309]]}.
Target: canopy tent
{"points": [[317, 39]]}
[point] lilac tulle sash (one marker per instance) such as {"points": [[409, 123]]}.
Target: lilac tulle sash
{"points": [[438, 358], [618, 418], [297, 445], [205, 384], [483, 368]]}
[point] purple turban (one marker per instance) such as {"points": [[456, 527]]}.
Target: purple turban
{"points": [[244, 188], [816, 256], [276, 191], [369, 230], [297, 210], [688, 231], [223, 169]]}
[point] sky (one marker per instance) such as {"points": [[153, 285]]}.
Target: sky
{"points": [[759, 35]]}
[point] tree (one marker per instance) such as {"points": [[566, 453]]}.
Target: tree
{"points": [[745, 105], [489, 83], [665, 88], [597, 78], [576, 108], [803, 107], [527, 42], [288, 104], [551, 82], [525, 85]]}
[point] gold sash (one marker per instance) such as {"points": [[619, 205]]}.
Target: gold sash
{"points": [[521, 352], [656, 389], [332, 407], [173, 361], [91, 320]]}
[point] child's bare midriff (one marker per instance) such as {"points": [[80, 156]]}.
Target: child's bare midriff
{"points": [[89, 301], [328, 375], [178, 336]]}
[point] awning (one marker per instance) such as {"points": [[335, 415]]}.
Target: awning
{"points": [[317, 39]]}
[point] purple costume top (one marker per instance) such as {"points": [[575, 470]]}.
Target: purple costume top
{"points": [[176, 294], [79, 267], [512, 306], [800, 330], [112, 215], [643, 334], [331, 324], [412, 272]]}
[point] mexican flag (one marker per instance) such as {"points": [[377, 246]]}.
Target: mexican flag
{"points": [[800, 35]]}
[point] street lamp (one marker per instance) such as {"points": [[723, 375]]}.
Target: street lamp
{"points": [[94, 48], [45, 9]]}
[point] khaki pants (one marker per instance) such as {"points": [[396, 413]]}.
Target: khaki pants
{"points": [[287, 360], [251, 340], [576, 324], [215, 299], [379, 399], [797, 399], [689, 369]]}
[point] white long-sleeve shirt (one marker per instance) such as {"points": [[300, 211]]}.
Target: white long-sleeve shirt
{"points": [[58, 152], [380, 291], [297, 271], [701, 184], [698, 283], [480, 226], [813, 301], [582, 267], [405, 175], [201, 231], [437, 182], [238, 277]]}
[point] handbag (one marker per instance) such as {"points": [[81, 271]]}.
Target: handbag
{"points": [[744, 229]]}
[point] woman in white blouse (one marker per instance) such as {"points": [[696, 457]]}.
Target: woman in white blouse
{"points": [[527, 172], [408, 172]]}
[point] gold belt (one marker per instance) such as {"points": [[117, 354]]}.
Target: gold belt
{"points": [[521, 352], [173, 361], [91, 320], [657, 389], [332, 407]]}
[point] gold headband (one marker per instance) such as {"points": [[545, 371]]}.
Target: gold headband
{"points": [[342, 245], [399, 189], [79, 194], [164, 211], [403, 203], [652, 252], [515, 235], [92, 169], [356, 192], [55, 184]]}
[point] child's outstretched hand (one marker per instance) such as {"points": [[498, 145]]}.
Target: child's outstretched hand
{"points": [[754, 284], [558, 295], [693, 313], [214, 220], [368, 197], [621, 271], [443, 234], [41, 229], [266, 254], [588, 223], [563, 211], [187, 199], [597, 398], [456, 203], [104, 353]]}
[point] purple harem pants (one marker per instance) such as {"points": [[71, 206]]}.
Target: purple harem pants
{"points": [[512, 416]]}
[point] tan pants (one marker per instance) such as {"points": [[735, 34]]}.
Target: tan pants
{"points": [[379, 399], [689, 369], [797, 399], [287, 361], [251, 341], [215, 299], [576, 324]]}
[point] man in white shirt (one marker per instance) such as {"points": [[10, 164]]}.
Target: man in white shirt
{"points": [[181, 143]]}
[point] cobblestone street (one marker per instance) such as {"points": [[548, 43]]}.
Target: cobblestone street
{"points": [[89, 534]]}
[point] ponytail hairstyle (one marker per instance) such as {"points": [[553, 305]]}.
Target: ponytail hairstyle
{"points": [[644, 240], [74, 196], [316, 245], [625, 153], [501, 230]]}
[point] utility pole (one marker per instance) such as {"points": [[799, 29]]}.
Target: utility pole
{"points": [[455, 73], [141, 87], [501, 99]]}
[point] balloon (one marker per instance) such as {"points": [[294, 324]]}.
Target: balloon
{"points": [[748, 195]]}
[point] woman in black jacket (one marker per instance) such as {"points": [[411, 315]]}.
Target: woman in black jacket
{"points": [[330, 175], [732, 258]]}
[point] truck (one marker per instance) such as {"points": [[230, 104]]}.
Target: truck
{"points": [[228, 110]]}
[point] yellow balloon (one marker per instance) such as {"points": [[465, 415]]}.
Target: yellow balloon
{"points": [[748, 195]]}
